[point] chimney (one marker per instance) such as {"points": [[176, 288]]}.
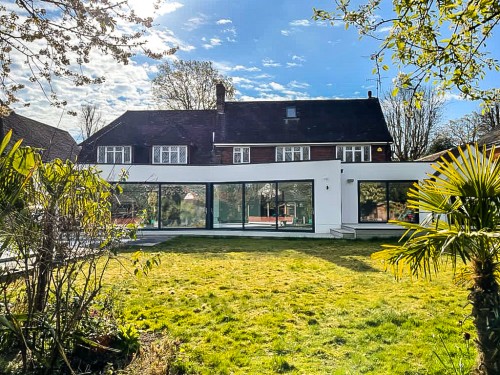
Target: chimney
{"points": [[369, 94], [220, 92]]}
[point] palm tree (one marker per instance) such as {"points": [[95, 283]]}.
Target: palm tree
{"points": [[462, 228]]}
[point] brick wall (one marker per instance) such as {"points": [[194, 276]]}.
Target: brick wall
{"points": [[381, 153]]}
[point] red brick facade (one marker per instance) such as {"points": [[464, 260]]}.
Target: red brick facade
{"points": [[259, 155], [381, 153]]}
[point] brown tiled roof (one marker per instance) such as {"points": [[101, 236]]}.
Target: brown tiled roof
{"points": [[144, 129], [54, 142]]}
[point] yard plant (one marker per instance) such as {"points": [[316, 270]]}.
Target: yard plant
{"points": [[461, 229]]}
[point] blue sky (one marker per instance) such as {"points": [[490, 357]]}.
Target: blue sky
{"points": [[272, 49]]}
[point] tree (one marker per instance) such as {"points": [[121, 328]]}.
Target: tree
{"points": [[90, 120], [471, 127], [462, 227], [441, 143], [411, 126], [56, 225], [188, 85], [57, 38], [442, 42], [491, 117]]}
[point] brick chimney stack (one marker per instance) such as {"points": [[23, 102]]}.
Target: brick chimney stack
{"points": [[220, 92], [369, 94]]}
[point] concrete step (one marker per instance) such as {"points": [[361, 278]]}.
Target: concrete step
{"points": [[343, 233]]}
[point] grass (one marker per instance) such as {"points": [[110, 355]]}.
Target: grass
{"points": [[265, 306]]}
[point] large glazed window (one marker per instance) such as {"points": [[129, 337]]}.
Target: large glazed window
{"points": [[295, 205], [380, 201], [170, 154], [260, 205], [137, 204], [114, 154], [292, 153], [354, 153], [183, 206], [228, 206]]}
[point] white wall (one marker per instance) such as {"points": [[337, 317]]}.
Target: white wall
{"points": [[378, 172], [326, 176]]}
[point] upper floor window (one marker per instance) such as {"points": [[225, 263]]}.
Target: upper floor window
{"points": [[241, 155], [169, 154], [114, 154], [354, 153], [292, 153], [291, 112]]}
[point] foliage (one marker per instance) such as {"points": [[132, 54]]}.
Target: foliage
{"points": [[441, 142], [226, 303], [463, 202], [188, 84], [56, 227], [58, 38], [441, 42], [410, 125]]}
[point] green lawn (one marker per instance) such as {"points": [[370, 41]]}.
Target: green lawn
{"points": [[263, 306]]}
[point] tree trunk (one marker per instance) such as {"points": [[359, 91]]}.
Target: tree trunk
{"points": [[486, 313], [45, 262]]}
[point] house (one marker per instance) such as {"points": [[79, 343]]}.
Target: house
{"points": [[52, 142], [301, 166]]}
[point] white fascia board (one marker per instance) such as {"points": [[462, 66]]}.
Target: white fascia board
{"points": [[297, 144]]}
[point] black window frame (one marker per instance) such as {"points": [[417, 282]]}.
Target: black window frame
{"points": [[387, 202]]}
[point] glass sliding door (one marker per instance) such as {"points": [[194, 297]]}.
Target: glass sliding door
{"points": [[137, 204], [228, 206], [295, 205], [183, 206], [260, 205]]}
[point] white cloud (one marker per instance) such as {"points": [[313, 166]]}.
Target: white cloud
{"points": [[298, 58], [195, 22], [301, 23], [268, 63], [237, 68], [298, 85], [292, 65], [276, 86], [213, 42], [285, 32], [223, 22], [146, 8]]}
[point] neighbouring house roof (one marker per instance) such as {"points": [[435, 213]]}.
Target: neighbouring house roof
{"points": [[192, 128], [435, 156], [54, 142], [317, 121], [490, 138]]}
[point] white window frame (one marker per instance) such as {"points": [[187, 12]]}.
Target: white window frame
{"points": [[241, 155], [169, 154], [109, 154], [343, 151], [296, 153]]}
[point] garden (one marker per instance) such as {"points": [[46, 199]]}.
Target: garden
{"points": [[305, 306]]}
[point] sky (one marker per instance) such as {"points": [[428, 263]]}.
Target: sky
{"points": [[272, 49]]}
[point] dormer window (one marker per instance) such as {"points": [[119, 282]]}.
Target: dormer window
{"points": [[170, 154], [291, 112], [114, 154]]}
